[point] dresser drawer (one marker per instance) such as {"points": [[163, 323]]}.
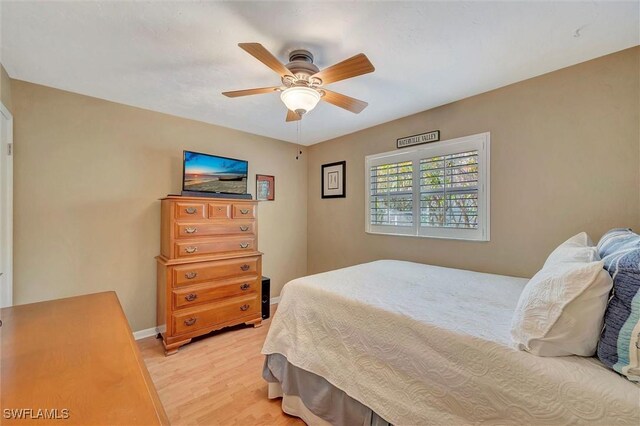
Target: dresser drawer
{"points": [[203, 229], [189, 211], [209, 315], [219, 210], [244, 211], [209, 292], [196, 248], [192, 273]]}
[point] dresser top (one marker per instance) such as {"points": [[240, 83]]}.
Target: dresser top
{"points": [[208, 199], [76, 354]]}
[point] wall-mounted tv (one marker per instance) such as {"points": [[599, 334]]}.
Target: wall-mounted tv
{"points": [[213, 174]]}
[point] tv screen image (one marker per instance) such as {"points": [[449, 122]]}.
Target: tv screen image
{"points": [[210, 173]]}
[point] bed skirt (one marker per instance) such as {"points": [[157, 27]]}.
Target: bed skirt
{"points": [[313, 398]]}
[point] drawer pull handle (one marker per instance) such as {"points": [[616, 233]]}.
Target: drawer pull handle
{"points": [[245, 286], [244, 211], [190, 275], [191, 230], [190, 297], [189, 322], [191, 210], [245, 267], [219, 209], [191, 249], [244, 228], [244, 307], [244, 245]]}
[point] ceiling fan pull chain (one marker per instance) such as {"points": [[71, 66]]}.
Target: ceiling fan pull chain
{"points": [[298, 131]]}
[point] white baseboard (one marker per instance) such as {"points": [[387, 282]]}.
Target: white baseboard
{"points": [[141, 334], [275, 300]]}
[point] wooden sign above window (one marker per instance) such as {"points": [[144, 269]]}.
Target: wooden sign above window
{"points": [[433, 136]]}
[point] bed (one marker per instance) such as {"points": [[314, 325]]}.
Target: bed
{"points": [[407, 343]]}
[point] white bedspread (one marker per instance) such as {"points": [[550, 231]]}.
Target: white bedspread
{"points": [[421, 344]]}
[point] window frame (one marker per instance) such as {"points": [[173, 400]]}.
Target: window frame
{"points": [[480, 142]]}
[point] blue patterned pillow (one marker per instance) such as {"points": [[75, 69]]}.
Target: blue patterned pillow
{"points": [[619, 346]]}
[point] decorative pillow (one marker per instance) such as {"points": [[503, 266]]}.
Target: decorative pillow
{"points": [[578, 248], [619, 345], [561, 308], [579, 240]]}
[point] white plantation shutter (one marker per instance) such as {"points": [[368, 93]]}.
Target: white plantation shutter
{"points": [[436, 190], [449, 190], [391, 189]]}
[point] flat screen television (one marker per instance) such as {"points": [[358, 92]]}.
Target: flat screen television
{"points": [[213, 174]]}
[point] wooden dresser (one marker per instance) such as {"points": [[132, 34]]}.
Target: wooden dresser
{"points": [[74, 362], [209, 270]]}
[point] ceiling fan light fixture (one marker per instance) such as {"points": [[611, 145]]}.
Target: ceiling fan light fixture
{"points": [[300, 99], [303, 83]]}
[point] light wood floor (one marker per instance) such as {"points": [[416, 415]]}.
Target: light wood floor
{"points": [[215, 380]]}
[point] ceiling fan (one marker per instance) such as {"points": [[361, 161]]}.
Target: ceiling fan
{"points": [[303, 82]]}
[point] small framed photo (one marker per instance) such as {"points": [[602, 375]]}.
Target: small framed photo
{"points": [[334, 180], [265, 188]]}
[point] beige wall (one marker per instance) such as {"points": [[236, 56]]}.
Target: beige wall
{"points": [[565, 157], [5, 89], [88, 176]]}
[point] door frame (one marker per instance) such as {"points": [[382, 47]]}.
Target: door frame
{"points": [[6, 196]]}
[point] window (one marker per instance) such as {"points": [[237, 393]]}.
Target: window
{"points": [[439, 190], [392, 194]]}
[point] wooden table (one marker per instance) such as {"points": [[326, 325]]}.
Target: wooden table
{"points": [[75, 358]]}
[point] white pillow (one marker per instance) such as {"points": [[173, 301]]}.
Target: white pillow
{"points": [[561, 309], [578, 248], [580, 240]]}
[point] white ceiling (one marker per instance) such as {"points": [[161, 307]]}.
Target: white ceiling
{"points": [[176, 57]]}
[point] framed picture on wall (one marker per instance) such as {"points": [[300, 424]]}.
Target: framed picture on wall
{"points": [[334, 180], [265, 188]]}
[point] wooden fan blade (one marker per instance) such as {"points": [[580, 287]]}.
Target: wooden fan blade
{"points": [[293, 116], [352, 67], [247, 92], [263, 55], [343, 101]]}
